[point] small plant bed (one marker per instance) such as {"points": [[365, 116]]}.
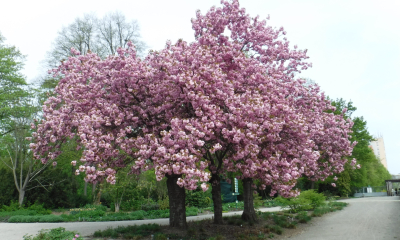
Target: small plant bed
{"points": [[269, 225], [54, 234]]}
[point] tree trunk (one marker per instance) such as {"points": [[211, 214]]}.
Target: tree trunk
{"points": [[216, 197], [117, 206], [21, 197], [176, 194], [85, 189], [249, 214], [312, 184]]}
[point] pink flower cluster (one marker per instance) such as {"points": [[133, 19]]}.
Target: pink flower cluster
{"points": [[231, 97]]}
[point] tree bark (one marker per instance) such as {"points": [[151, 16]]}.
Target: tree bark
{"points": [[216, 197], [117, 206], [21, 197], [177, 195], [249, 214]]}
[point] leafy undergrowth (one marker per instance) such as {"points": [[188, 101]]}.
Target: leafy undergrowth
{"points": [[269, 225], [96, 214], [6, 212], [54, 234]]}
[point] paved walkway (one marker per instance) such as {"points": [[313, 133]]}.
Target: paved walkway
{"points": [[372, 218]]}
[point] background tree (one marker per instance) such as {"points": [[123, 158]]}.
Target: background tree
{"points": [[370, 171], [12, 82], [15, 152], [102, 36]]}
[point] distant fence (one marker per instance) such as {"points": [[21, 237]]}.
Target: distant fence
{"points": [[370, 191], [373, 194]]}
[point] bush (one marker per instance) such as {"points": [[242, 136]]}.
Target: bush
{"points": [[270, 203], [97, 207], [36, 218], [150, 206], [51, 218], [15, 209], [295, 204], [257, 200], [89, 211], [316, 199], [14, 206], [54, 234], [192, 211], [164, 204], [24, 219], [153, 214], [198, 198], [303, 217], [139, 215]]}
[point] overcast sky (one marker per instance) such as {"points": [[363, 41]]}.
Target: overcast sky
{"points": [[354, 45]]}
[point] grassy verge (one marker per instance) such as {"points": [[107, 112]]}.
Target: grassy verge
{"points": [[96, 215]]}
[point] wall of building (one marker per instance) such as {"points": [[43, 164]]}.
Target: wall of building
{"points": [[379, 149]]}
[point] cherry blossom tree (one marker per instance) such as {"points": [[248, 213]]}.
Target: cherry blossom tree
{"points": [[195, 111]]}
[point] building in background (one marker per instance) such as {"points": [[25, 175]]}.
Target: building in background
{"points": [[379, 149], [394, 176]]}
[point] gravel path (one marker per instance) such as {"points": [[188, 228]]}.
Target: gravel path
{"points": [[373, 218]]}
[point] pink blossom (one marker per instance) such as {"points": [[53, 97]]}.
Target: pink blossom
{"points": [[333, 184], [73, 163]]}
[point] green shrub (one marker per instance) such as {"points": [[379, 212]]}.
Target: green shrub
{"points": [[257, 200], [303, 217], [270, 203], [96, 207], [54, 234], [14, 209], [192, 211], [153, 214], [35, 218], [89, 211], [51, 218], [150, 206], [14, 206], [198, 198], [164, 204], [295, 204], [139, 215], [132, 204], [23, 212], [316, 199], [24, 219]]}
